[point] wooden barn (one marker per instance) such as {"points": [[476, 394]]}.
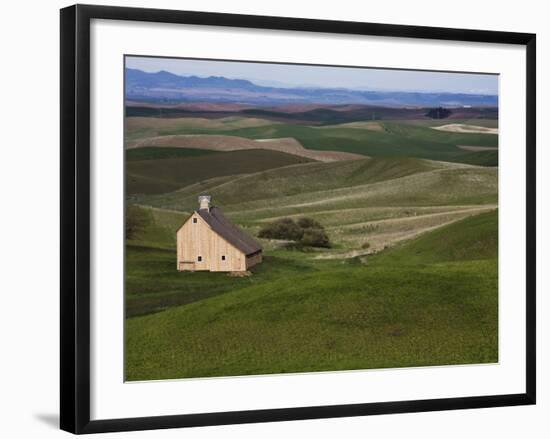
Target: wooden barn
{"points": [[209, 241]]}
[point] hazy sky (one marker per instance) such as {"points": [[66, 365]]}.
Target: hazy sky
{"points": [[317, 76]]}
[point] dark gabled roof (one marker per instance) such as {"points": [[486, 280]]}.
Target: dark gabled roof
{"points": [[229, 231]]}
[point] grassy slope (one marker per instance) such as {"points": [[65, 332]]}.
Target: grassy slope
{"points": [[473, 238], [160, 229], [396, 139], [159, 175], [339, 185], [384, 188], [158, 152], [304, 178], [153, 284], [299, 314]]}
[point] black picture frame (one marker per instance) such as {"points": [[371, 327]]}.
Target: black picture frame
{"points": [[75, 218]]}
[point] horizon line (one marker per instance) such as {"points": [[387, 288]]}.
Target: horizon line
{"points": [[314, 87]]}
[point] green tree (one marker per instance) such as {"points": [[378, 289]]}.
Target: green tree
{"points": [[439, 113], [136, 220], [305, 231]]}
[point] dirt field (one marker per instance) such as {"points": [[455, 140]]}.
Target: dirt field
{"points": [[463, 128], [371, 126], [299, 108], [233, 143], [225, 123]]}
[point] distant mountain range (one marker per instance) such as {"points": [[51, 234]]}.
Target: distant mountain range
{"points": [[166, 87]]}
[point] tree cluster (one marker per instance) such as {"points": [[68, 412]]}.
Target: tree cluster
{"points": [[439, 113], [304, 231]]}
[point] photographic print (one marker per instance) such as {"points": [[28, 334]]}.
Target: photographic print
{"points": [[289, 218]]}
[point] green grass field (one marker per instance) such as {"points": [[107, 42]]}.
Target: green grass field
{"points": [[312, 187], [299, 314], [410, 279], [168, 169], [471, 239]]}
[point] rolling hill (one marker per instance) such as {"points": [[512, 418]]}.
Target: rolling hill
{"points": [[328, 186], [366, 205], [313, 114], [388, 138], [298, 315], [217, 142], [154, 174], [410, 279], [473, 238]]}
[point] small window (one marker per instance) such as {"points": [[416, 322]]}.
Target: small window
{"points": [[223, 258], [194, 220], [199, 258]]}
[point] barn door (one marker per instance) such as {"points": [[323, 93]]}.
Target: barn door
{"points": [[186, 266]]}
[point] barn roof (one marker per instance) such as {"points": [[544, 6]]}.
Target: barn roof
{"points": [[229, 231]]}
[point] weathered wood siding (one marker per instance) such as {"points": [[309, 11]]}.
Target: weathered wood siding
{"points": [[196, 239], [253, 260]]}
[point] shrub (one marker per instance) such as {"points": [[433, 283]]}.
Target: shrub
{"points": [[315, 238], [136, 220], [309, 223], [365, 245], [284, 228], [305, 232]]}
